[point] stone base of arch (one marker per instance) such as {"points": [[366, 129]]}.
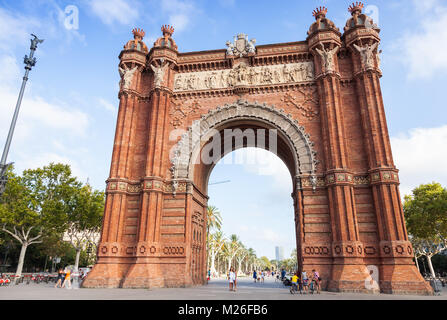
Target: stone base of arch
{"points": [[349, 278], [403, 279], [106, 275], [149, 275], [138, 276], [394, 279]]}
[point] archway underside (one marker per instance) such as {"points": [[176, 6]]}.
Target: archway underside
{"points": [[228, 144]]}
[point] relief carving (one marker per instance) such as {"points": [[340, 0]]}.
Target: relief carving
{"points": [[180, 110], [327, 56], [159, 73], [244, 75], [367, 54], [127, 76], [307, 111]]}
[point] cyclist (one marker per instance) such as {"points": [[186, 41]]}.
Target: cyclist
{"points": [[294, 287]]}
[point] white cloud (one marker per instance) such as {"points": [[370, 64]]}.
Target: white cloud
{"points": [[14, 29], [107, 105], [44, 159], [265, 163], [423, 49], [421, 155], [37, 114], [10, 71], [180, 13], [111, 11]]}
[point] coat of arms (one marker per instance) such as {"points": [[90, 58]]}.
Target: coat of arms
{"points": [[241, 46]]}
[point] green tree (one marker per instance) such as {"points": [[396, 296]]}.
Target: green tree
{"points": [[265, 263], [426, 220], [83, 219], [35, 203]]}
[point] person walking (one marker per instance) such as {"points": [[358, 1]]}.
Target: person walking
{"points": [[232, 279], [317, 279], [283, 274], [255, 275], [60, 278], [67, 279], [305, 281], [262, 276]]}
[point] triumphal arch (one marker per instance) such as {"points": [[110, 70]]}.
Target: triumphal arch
{"points": [[321, 97]]}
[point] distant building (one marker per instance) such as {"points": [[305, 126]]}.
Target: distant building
{"points": [[279, 253]]}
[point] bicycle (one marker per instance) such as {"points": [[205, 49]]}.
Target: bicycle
{"points": [[312, 287], [295, 288]]}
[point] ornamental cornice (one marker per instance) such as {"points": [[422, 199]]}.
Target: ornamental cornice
{"points": [[368, 72], [396, 249], [359, 32], [130, 92], [384, 176]]}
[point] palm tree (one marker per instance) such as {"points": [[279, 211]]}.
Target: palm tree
{"points": [[216, 242], [240, 256], [251, 257], [232, 247], [214, 219]]}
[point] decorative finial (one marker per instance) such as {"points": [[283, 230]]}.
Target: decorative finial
{"points": [[355, 7], [138, 33], [319, 12], [167, 30]]}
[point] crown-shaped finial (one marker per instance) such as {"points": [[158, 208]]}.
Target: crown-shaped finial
{"points": [[319, 12], [355, 7], [137, 32], [167, 29]]}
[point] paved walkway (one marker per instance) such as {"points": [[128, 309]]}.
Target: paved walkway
{"points": [[216, 290]]}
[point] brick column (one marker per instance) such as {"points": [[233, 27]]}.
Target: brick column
{"points": [[112, 263], [148, 269], [397, 272], [348, 269]]}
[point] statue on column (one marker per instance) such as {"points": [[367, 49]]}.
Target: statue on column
{"points": [[367, 54], [159, 73], [328, 57], [127, 76]]}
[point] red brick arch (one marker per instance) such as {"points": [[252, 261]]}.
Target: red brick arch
{"points": [[300, 158], [323, 97]]}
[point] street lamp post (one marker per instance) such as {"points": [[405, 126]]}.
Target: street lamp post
{"points": [[29, 63]]}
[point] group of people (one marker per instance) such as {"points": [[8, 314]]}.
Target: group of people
{"points": [[63, 278], [302, 284], [260, 276]]}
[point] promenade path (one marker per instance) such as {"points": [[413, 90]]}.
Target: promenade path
{"points": [[217, 289]]}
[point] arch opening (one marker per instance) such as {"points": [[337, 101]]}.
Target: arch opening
{"points": [[256, 206], [229, 128]]}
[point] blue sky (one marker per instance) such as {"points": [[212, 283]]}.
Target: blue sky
{"points": [[70, 106]]}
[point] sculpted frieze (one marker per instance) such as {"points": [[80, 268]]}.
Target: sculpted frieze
{"points": [[244, 75]]}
